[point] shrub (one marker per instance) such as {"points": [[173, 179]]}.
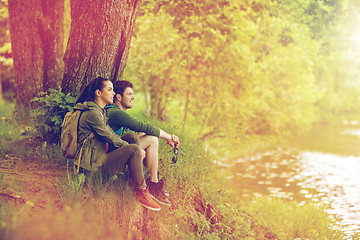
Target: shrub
{"points": [[49, 115]]}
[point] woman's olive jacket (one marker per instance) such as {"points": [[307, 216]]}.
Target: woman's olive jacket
{"points": [[94, 119]]}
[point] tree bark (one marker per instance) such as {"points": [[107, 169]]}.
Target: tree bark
{"points": [[36, 30], [99, 41]]}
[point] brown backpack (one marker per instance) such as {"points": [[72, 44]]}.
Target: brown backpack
{"points": [[69, 139]]}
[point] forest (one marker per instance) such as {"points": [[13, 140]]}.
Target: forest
{"points": [[232, 74], [225, 70]]}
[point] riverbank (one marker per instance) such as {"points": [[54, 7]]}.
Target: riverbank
{"points": [[320, 167], [42, 199], [53, 204]]}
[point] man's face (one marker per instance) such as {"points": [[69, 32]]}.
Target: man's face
{"points": [[127, 98]]}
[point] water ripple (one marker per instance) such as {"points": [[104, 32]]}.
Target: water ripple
{"points": [[306, 176]]}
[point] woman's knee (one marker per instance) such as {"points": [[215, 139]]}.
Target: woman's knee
{"points": [[135, 150], [131, 138]]}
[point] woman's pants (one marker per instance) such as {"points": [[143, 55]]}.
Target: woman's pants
{"points": [[130, 155]]}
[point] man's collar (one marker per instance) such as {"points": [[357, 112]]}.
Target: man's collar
{"points": [[111, 106]]}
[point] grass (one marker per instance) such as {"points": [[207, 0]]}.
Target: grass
{"points": [[8, 130], [8, 122], [203, 207], [294, 221]]}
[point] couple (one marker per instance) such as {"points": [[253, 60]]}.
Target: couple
{"points": [[104, 106]]}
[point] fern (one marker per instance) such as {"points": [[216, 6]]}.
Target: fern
{"points": [[47, 118]]}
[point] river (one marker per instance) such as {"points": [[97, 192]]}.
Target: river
{"points": [[320, 167]]}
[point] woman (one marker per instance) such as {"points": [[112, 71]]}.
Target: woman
{"points": [[106, 151]]}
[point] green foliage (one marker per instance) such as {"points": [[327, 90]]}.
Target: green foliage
{"points": [[267, 68], [5, 45], [30, 141], [227, 68], [333, 25], [195, 57], [50, 112], [18, 139]]}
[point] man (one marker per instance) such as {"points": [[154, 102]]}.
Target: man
{"points": [[121, 122]]}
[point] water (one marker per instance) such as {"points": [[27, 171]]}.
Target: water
{"points": [[321, 167]]}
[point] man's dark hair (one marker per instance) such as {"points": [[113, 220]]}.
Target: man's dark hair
{"points": [[120, 86]]}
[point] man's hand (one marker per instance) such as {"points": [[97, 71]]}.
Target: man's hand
{"points": [[174, 141], [171, 139]]}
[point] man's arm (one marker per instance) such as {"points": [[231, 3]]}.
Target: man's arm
{"points": [[119, 118]]}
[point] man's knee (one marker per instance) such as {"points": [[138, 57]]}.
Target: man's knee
{"points": [[154, 140]]}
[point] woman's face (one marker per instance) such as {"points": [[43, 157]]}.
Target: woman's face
{"points": [[106, 95]]}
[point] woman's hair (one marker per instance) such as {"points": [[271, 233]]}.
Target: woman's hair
{"points": [[120, 86], [88, 92]]}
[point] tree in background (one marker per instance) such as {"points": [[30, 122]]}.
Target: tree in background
{"points": [[232, 69], [6, 61], [337, 71], [190, 44], [36, 29], [99, 41], [285, 87]]}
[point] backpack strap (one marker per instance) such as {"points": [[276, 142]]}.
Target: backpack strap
{"points": [[91, 135]]}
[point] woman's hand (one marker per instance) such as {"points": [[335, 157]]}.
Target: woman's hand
{"points": [[143, 153]]}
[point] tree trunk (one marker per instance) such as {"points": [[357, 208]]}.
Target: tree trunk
{"points": [[99, 41], [158, 97], [36, 30]]}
